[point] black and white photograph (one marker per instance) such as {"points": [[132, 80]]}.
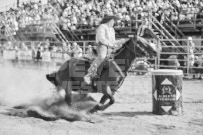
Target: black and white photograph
{"points": [[101, 67]]}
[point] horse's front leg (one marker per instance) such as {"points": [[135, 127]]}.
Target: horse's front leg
{"points": [[67, 85], [103, 99]]}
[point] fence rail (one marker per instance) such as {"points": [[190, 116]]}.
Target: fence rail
{"points": [[188, 60]]}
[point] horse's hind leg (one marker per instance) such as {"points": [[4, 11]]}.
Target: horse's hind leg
{"points": [[108, 94], [67, 85]]}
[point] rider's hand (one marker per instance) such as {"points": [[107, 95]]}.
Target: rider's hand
{"points": [[111, 45], [124, 40]]}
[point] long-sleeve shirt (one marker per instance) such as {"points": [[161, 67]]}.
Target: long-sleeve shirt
{"points": [[105, 35]]}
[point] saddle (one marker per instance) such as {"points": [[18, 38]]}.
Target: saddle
{"points": [[104, 65]]}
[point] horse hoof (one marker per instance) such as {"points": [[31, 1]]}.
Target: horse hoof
{"points": [[95, 109]]}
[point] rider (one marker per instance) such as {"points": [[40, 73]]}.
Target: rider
{"points": [[105, 39]]}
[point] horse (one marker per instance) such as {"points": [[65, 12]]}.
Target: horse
{"points": [[111, 73]]}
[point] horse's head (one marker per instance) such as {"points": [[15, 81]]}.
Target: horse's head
{"points": [[140, 48], [149, 48]]}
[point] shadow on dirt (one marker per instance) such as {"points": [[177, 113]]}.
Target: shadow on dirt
{"points": [[127, 114]]}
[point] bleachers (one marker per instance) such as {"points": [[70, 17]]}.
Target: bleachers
{"points": [[124, 28]]}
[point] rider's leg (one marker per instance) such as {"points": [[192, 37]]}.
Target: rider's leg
{"points": [[102, 53]]}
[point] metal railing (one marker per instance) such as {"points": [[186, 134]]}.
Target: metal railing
{"points": [[186, 57], [59, 33], [188, 69], [83, 44]]}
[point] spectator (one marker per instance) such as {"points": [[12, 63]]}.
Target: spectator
{"points": [[46, 57], [39, 54], [23, 47], [89, 53], [173, 62], [77, 51], [142, 27], [64, 46], [191, 46], [89, 50], [34, 51], [200, 67], [69, 48]]}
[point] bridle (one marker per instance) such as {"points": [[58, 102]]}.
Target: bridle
{"points": [[133, 51]]}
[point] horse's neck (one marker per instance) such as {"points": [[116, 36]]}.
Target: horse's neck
{"points": [[125, 59]]}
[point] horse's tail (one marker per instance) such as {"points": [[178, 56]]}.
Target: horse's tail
{"points": [[52, 78]]}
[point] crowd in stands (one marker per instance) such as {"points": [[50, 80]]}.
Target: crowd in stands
{"points": [[76, 12], [27, 14], [73, 14]]}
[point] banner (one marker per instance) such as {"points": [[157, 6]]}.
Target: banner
{"points": [[25, 55], [58, 57], [46, 56], [9, 54]]}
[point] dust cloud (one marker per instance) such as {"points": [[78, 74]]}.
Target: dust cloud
{"points": [[22, 86], [29, 89]]}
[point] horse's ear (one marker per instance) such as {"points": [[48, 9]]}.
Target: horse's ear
{"points": [[94, 51]]}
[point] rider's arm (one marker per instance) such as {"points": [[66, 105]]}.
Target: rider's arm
{"points": [[101, 36], [120, 42]]}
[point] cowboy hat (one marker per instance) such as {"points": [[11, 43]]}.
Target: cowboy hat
{"points": [[110, 17], [107, 18]]}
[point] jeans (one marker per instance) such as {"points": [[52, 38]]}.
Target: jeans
{"points": [[102, 51]]}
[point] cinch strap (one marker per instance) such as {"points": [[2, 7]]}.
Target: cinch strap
{"points": [[119, 69]]}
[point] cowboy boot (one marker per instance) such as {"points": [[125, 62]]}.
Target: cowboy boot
{"points": [[88, 78], [91, 73]]}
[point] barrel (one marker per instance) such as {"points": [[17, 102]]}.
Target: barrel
{"points": [[167, 92]]}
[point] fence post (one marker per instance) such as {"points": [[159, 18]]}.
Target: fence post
{"points": [[136, 22], [158, 54], [84, 47], [188, 68]]}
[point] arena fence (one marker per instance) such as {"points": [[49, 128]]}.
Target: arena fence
{"points": [[18, 55], [190, 63], [190, 58]]}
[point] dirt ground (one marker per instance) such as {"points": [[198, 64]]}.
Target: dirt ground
{"points": [[130, 115]]}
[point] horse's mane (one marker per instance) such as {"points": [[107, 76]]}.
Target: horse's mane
{"points": [[121, 48], [139, 45]]}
